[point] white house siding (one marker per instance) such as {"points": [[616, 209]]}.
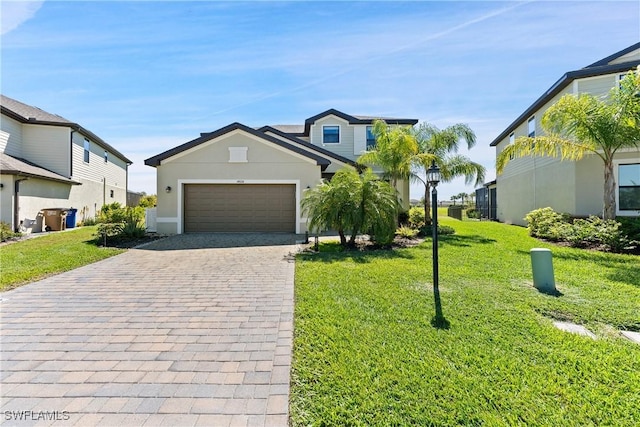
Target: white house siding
{"points": [[13, 146], [47, 146], [631, 56], [98, 177], [209, 164], [359, 140], [597, 86]]}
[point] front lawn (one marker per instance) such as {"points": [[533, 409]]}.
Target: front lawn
{"points": [[33, 259], [366, 353]]}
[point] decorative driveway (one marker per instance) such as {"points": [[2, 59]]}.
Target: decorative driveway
{"points": [[190, 330]]}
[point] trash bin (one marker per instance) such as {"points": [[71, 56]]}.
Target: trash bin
{"points": [[71, 218], [54, 219]]}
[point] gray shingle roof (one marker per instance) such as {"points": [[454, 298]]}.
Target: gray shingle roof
{"points": [[15, 166]]}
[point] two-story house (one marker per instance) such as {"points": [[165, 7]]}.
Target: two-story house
{"points": [[576, 188], [48, 161], [240, 178]]}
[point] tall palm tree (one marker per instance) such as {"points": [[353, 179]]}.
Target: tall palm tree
{"points": [[441, 146], [582, 125]]}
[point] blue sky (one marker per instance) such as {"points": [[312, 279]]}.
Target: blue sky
{"points": [[146, 76]]}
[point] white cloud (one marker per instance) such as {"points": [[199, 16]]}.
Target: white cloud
{"points": [[15, 13]]}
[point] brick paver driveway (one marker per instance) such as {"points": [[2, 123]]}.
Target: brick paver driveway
{"points": [[190, 330]]}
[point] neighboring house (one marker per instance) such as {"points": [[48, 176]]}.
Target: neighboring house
{"points": [[571, 187], [245, 179], [48, 161]]}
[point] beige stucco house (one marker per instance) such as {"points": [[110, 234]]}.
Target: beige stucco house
{"points": [[47, 161], [576, 188], [240, 178]]}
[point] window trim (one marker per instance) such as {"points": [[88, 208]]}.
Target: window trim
{"points": [[323, 134]]}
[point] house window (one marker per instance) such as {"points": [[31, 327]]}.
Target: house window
{"points": [[629, 187], [86, 150], [531, 127], [330, 134], [512, 139], [106, 156], [371, 139], [111, 193]]}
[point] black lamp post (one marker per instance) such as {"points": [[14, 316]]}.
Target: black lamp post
{"points": [[433, 178]]}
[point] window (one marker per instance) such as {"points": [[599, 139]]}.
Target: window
{"points": [[330, 134], [371, 139], [629, 187], [111, 193], [86, 150], [512, 139], [106, 156], [531, 127]]}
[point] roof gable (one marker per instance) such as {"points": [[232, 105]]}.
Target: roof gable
{"points": [[355, 120], [33, 115], [205, 137], [608, 65]]}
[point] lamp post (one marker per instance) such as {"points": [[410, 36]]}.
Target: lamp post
{"points": [[433, 178]]}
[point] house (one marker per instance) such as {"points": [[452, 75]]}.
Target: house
{"points": [[576, 188], [240, 178], [48, 161]]}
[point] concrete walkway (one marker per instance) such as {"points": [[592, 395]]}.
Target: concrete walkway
{"points": [[190, 330]]}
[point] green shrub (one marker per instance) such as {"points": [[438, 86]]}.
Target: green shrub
{"points": [[407, 232], [403, 218], [443, 230], [130, 219], [630, 227], [473, 213], [109, 229], [6, 233], [540, 223], [148, 201], [134, 222], [416, 217], [89, 221]]}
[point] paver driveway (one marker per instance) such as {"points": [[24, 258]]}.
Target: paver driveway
{"points": [[190, 330]]}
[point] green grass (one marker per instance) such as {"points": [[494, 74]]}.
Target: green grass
{"points": [[29, 260], [366, 353]]}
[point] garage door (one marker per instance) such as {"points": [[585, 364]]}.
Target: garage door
{"points": [[239, 208]]}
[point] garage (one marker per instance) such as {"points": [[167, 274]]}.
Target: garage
{"points": [[239, 208]]}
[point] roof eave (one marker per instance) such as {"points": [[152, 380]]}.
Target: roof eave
{"points": [[558, 86]]}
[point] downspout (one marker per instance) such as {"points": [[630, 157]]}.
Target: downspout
{"points": [[71, 153], [104, 190], [16, 204]]}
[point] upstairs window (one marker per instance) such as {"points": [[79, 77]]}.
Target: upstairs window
{"points": [[86, 150], [371, 139], [512, 139], [106, 156], [531, 127], [330, 134], [629, 187]]}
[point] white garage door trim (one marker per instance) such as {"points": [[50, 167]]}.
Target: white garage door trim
{"points": [[183, 182]]}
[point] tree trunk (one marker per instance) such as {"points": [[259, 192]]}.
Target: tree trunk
{"points": [[427, 214], [343, 238], [609, 191]]}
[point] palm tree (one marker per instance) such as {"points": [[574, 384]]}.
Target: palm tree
{"points": [[353, 203], [582, 125], [442, 146]]}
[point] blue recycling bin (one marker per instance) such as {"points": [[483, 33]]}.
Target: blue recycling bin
{"points": [[71, 218]]}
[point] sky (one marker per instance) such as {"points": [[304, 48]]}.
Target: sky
{"points": [[147, 76]]}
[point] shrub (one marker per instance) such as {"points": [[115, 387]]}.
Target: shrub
{"points": [[540, 223], [109, 230], [473, 213], [134, 222], [407, 232], [148, 201], [416, 217], [630, 227], [129, 221], [6, 233], [443, 230], [403, 218]]}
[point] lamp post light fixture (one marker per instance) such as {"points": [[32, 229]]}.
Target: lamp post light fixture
{"points": [[433, 178]]}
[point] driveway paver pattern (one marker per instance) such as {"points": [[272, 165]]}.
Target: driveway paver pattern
{"points": [[189, 330]]}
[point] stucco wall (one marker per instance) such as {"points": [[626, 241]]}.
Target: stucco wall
{"points": [[209, 163]]}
